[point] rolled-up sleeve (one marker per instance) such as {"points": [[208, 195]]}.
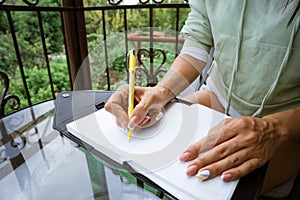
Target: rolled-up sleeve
{"points": [[197, 31]]}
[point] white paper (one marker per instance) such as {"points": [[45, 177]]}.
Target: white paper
{"points": [[154, 151]]}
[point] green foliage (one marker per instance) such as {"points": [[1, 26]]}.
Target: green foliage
{"points": [[137, 22], [8, 61], [27, 28], [32, 54], [169, 16], [53, 32], [37, 81], [29, 38], [39, 84], [115, 60], [60, 78], [3, 23]]}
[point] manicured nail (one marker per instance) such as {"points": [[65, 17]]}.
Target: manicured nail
{"points": [[159, 116], [226, 177], [124, 128], [203, 174], [145, 120], [133, 123], [191, 170], [185, 157]]}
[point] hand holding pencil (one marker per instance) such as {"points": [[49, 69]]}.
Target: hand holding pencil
{"points": [[136, 107]]}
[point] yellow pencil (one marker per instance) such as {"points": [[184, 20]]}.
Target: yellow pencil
{"points": [[132, 66]]}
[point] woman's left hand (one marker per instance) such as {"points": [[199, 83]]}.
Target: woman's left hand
{"points": [[238, 146]]}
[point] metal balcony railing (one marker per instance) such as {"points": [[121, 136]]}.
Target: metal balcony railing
{"points": [[86, 64]]}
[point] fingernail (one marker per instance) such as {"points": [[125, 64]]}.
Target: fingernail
{"points": [[133, 123], [159, 116], [203, 174], [191, 170], [226, 177], [124, 128], [145, 120], [186, 156]]}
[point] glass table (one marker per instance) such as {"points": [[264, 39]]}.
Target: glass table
{"points": [[39, 159], [38, 162]]}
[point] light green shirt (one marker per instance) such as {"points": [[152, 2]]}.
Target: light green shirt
{"points": [[257, 55]]}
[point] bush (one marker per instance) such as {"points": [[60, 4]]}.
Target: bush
{"points": [[38, 83]]}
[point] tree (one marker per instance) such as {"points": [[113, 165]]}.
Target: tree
{"points": [[38, 82], [27, 27], [32, 55], [3, 23]]}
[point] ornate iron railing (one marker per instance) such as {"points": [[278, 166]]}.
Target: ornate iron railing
{"points": [[73, 32], [6, 98], [111, 2]]}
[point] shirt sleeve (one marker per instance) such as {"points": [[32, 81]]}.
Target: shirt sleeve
{"points": [[197, 31], [190, 49]]}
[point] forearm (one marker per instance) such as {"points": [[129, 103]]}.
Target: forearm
{"points": [[184, 70], [287, 123]]}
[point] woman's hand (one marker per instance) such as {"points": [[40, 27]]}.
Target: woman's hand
{"points": [[238, 146], [149, 102]]}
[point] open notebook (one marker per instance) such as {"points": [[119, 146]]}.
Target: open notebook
{"points": [[155, 151]]}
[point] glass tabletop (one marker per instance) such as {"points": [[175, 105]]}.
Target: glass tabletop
{"points": [[37, 162]]}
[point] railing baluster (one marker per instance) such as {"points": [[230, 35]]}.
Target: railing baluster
{"points": [[18, 55], [4, 98], [177, 32], [126, 37], [151, 41], [74, 36], [105, 50], [45, 52]]}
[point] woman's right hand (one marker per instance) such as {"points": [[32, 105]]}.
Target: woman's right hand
{"points": [[149, 102]]}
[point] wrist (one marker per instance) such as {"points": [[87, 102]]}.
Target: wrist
{"points": [[288, 123], [165, 92], [281, 130]]}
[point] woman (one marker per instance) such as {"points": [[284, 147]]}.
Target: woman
{"points": [[254, 78]]}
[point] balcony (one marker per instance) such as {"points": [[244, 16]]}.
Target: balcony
{"points": [[51, 46]]}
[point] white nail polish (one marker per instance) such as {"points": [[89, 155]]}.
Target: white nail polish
{"points": [[132, 123], [146, 119], [222, 177], [130, 128], [159, 116], [124, 128], [203, 174]]}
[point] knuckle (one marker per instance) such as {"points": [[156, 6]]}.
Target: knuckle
{"points": [[227, 121], [193, 154], [238, 173], [252, 137], [242, 122], [221, 151], [235, 160], [253, 165], [107, 107], [235, 145], [210, 142], [142, 106], [199, 162], [123, 87], [194, 149], [215, 170]]}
